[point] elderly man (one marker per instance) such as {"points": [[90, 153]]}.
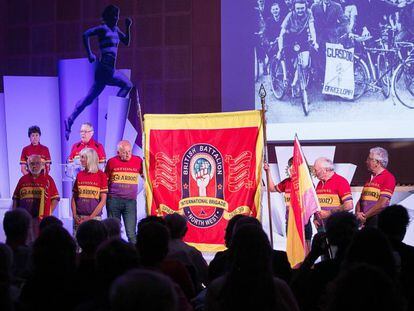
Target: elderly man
{"points": [[37, 193], [123, 171], [333, 191], [86, 133], [35, 147], [378, 190]]}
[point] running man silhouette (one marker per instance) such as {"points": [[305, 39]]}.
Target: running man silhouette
{"points": [[109, 36]]}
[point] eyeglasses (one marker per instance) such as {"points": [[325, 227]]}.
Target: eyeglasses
{"points": [[84, 132]]}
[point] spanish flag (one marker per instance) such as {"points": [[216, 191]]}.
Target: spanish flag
{"points": [[304, 203]]}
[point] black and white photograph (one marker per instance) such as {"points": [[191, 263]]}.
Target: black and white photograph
{"points": [[335, 61]]}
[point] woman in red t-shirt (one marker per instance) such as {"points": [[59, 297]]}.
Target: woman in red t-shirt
{"points": [[90, 189]]}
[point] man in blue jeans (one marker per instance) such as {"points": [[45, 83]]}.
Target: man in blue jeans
{"points": [[123, 172]]}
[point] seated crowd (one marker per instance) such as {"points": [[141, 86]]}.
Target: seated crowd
{"points": [[367, 269]]}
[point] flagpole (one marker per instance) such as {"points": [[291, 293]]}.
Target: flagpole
{"points": [[141, 123], [316, 214], [262, 94]]}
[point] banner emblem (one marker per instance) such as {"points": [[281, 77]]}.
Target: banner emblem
{"points": [[202, 185]]}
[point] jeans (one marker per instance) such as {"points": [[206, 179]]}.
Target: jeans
{"points": [[126, 208]]}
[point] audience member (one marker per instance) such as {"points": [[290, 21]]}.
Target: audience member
{"points": [[49, 221], [177, 249], [16, 225], [393, 221], [250, 284], [113, 227], [372, 289], [143, 290], [152, 245], [54, 261]]}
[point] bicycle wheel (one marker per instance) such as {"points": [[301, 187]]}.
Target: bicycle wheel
{"points": [[304, 80], [403, 83], [361, 77], [277, 81], [384, 72]]}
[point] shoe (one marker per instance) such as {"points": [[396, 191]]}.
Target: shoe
{"points": [[67, 129]]}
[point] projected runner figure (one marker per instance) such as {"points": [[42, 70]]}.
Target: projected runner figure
{"points": [[109, 36]]}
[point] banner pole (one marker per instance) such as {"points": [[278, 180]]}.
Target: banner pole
{"points": [[262, 94], [141, 123]]}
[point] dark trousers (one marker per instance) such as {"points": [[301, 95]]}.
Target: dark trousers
{"points": [[126, 208]]}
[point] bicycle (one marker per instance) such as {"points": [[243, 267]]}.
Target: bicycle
{"points": [[369, 75], [403, 77], [279, 76]]}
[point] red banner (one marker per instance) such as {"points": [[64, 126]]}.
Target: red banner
{"points": [[206, 174]]}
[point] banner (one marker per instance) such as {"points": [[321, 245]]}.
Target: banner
{"points": [[304, 203], [206, 167], [339, 71]]}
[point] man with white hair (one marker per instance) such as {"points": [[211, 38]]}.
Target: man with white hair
{"points": [[123, 172], [87, 141], [378, 190], [333, 191], [36, 192]]}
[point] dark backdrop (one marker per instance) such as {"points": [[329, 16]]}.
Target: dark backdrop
{"points": [[174, 53]]}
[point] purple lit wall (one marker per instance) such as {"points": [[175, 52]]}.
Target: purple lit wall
{"points": [[32, 101]]}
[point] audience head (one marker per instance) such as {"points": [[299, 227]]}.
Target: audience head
{"points": [[151, 219], [86, 132], [16, 224], [143, 290], [152, 243], [372, 247], [246, 220], [113, 258], [393, 221], [54, 252], [89, 160], [177, 225], [90, 235], [49, 221], [250, 249], [340, 228], [113, 227], [229, 229]]}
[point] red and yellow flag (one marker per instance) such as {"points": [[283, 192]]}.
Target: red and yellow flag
{"points": [[206, 167], [304, 203]]}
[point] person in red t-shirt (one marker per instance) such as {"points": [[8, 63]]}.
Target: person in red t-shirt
{"points": [[36, 193], [333, 191], [86, 133], [284, 187], [35, 147], [90, 189], [123, 171], [377, 191]]}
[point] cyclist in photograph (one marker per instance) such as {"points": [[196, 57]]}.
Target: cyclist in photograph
{"points": [[296, 31], [272, 31]]}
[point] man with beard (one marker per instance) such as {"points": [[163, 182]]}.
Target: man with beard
{"points": [[36, 192]]}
